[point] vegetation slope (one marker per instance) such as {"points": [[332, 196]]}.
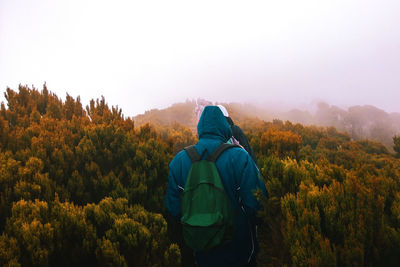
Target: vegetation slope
{"points": [[85, 187]]}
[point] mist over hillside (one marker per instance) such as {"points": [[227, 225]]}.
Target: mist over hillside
{"points": [[360, 122]]}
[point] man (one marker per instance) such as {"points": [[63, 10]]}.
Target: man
{"points": [[238, 134], [239, 176]]}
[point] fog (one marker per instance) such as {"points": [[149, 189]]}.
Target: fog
{"points": [[149, 54]]}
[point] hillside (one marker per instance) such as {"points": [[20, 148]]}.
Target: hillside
{"points": [[361, 122], [85, 187]]}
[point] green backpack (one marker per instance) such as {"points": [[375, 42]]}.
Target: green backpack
{"points": [[208, 219]]}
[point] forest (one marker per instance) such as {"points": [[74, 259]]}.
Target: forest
{"points": [[85, 186]]}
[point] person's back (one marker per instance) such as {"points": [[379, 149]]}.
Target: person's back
{"points": [[239, 176]]}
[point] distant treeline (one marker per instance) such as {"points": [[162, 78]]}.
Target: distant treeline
{"points": [[85, 187], [360, 122]]}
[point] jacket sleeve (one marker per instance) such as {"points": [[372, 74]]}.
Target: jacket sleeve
{"points": [[249, 183], [173, 195]]}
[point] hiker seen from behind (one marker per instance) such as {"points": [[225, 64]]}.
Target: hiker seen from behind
{"points": [[211, 192]]}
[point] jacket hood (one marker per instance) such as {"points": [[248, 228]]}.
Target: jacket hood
{"points": [[213, 124]]}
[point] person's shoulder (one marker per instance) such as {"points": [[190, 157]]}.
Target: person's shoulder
{"points": [[239, 152], [237, 129], [179, 158]]}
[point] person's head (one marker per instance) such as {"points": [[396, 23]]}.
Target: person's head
{"points": [[223, 110], [226, 114], [213, 123]]}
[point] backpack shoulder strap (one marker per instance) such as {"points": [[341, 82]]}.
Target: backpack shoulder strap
{"points": [[218, 151], [192, 153]]}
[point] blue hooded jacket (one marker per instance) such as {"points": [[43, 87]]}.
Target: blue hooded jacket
{"points": [[240, 177]]}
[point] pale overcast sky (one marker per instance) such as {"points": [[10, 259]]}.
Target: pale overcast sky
{"points": [[148, 54]]}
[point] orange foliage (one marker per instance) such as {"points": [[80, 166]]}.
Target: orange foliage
{"points": [[280, 143]]}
